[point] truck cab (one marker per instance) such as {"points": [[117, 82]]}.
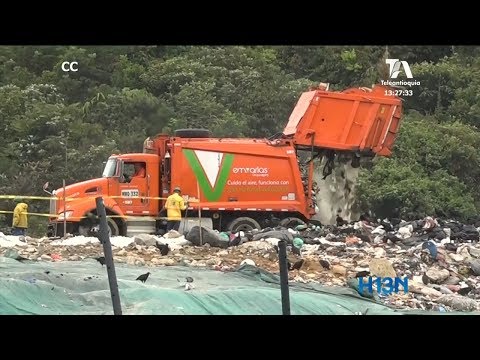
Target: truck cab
{"points": [[128, 184], [133, 182]]}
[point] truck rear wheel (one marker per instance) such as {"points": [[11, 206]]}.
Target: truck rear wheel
{"points": [[243, 224]]}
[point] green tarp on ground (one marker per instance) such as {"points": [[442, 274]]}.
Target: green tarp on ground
{"points": [[76, 288]]}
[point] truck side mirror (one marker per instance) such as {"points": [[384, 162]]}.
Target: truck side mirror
{"points": [[45, 188]]}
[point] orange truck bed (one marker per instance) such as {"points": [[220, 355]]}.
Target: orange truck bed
{"points": [[363, 120], [234, 174]]}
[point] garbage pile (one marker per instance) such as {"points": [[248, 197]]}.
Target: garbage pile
{"points": [[440, 258]]}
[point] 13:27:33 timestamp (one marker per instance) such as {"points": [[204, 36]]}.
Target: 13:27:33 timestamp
{"points": [[398, 92]]}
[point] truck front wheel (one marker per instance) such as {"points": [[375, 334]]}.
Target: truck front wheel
{"points": [[89, 229], [243, 224]]}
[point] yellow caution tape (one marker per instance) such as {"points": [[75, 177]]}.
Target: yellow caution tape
{"points": [[78, 217], [77, 198], [69, 199], [133, 197], [36, 197], [28, 197], [38, 214]]}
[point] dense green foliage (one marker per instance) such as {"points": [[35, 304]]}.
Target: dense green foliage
{"points": [[121, 95]]}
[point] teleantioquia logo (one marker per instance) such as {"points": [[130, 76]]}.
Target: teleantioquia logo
{"points": [[395, 68], [211, 169]]}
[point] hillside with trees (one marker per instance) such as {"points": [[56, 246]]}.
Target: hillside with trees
{"points": [[122, 94]]}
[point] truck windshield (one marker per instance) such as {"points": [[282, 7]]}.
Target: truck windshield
{"points": [[110, 168]]}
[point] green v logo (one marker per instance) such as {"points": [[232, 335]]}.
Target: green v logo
{"points": [[211, 169]]}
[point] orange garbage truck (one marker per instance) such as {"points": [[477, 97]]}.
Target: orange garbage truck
{"points": [[234, 184]]}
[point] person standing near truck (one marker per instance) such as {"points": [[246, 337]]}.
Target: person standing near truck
{"points": [[174, 205], [20, 219]]}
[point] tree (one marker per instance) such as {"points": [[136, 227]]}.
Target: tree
{"points": [[122, 94]]}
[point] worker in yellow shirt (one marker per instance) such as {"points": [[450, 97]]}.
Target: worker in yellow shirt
{"points": [[20, 218], [174, 205]]}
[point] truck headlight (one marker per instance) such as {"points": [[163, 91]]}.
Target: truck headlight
{"points": [[67, 214]]}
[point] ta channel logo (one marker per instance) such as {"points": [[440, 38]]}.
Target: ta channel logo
{"points": [[402, 87]]}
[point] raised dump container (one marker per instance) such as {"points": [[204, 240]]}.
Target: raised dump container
{"points": [[359, 119]]}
